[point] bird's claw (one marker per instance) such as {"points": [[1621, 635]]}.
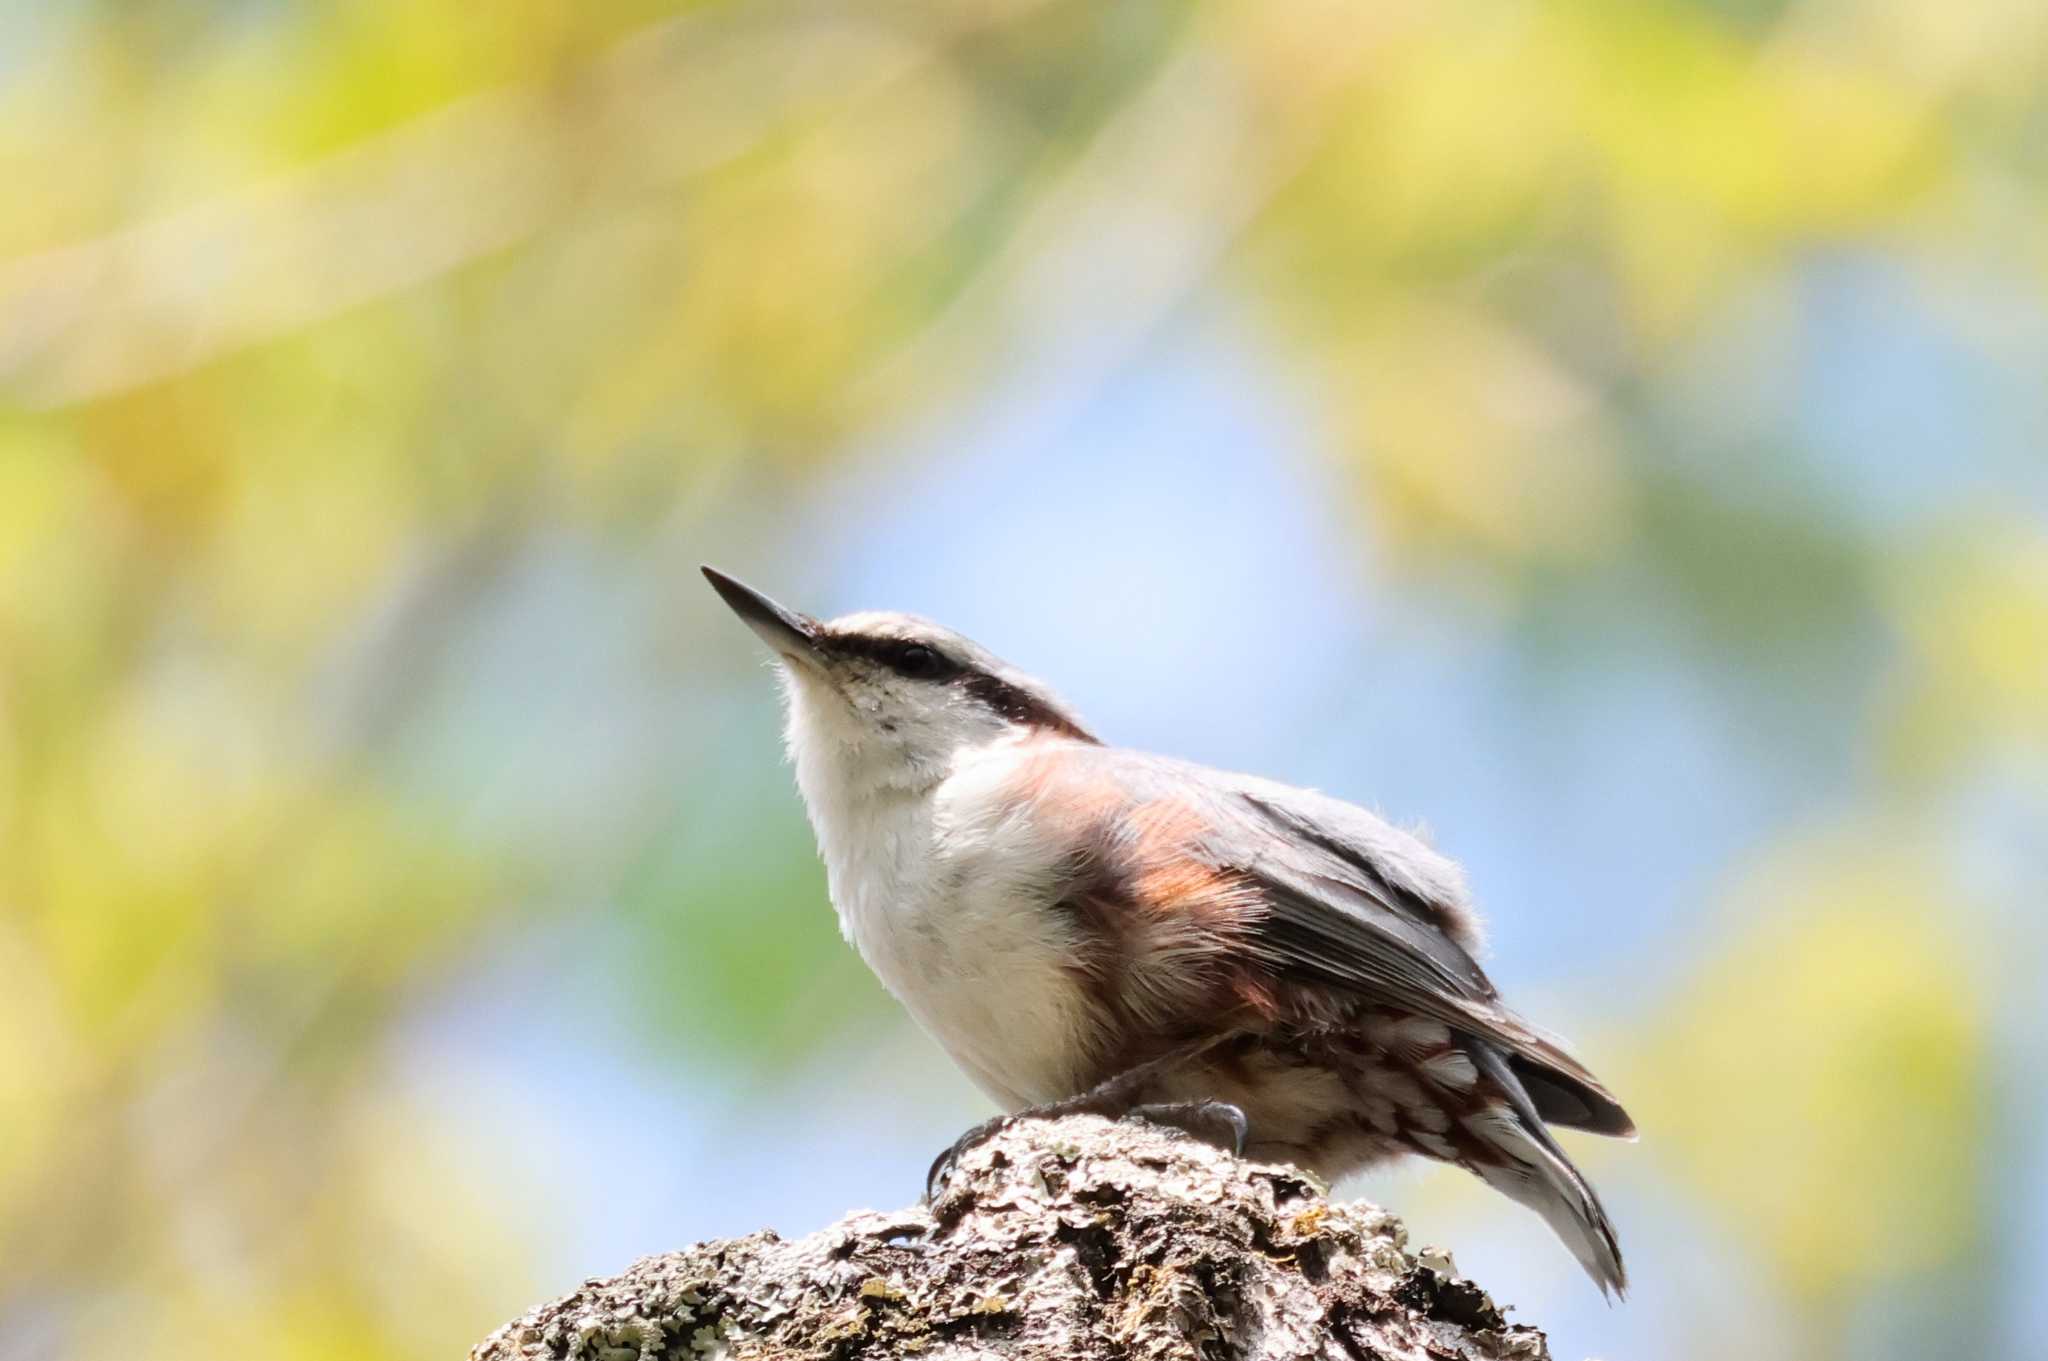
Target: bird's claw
{"points": [[942, 1166], [1219, 1124]]}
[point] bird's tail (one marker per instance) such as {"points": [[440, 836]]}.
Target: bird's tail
{"points": [[1528, 1165]]}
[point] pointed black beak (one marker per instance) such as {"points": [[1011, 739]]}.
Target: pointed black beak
{"points": [[791, 634]]}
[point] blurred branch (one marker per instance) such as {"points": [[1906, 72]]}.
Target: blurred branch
{"points": [[670, 105], [675, 101], [1078, 1239]]}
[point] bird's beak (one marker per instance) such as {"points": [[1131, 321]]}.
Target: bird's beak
{"points": [[792, 635]]}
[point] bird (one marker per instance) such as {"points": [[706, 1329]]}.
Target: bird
{"points": [[1090, 928]]}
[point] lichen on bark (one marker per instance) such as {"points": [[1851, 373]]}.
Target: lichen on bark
{"points": [[1077, 1238]]}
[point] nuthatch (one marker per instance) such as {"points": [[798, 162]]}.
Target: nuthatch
{"points": [[1087, 928]]}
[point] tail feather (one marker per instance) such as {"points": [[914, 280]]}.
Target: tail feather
{"points": [[1562, 1099], [1531, 1168], [1561, 1088]]}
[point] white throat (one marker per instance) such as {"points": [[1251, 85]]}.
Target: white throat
{"points": [[871, 811]]}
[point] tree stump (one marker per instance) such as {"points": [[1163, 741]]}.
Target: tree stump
{"points": [[1073, 1239]]}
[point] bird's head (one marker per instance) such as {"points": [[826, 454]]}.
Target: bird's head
{"points": [[890, 699]]}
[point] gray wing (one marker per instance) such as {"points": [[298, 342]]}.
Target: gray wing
{"points": [[1353, 902]]}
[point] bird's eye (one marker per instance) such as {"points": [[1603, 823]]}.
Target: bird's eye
{"points": [[919, 662]]}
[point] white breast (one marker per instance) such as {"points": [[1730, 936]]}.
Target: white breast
{"points": [[947, 897]]}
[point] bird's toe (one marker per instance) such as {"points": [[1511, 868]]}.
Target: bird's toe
{"points": [[1217, 1123], [943, 1166]]}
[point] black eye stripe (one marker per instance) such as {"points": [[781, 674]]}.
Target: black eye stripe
{"points": [[905, 656]]}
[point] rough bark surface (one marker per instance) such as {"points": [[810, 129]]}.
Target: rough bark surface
{"points": [[1075, 1239]]}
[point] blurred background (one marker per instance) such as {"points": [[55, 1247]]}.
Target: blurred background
{"points": [[1608, 431]]}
